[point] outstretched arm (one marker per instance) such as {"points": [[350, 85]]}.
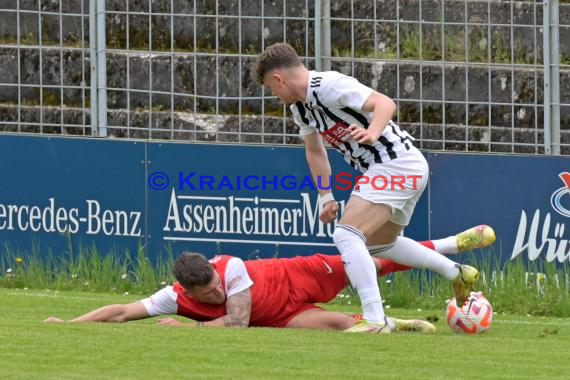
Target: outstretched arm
{"points": [[111, 313], [318, 161], [238, 309]]}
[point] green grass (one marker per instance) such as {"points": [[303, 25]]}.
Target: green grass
{"points": [[84, 268], [514, 287], [535, 288], [515, 347]]}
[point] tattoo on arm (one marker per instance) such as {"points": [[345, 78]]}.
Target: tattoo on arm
{"points": [[238, 309]]}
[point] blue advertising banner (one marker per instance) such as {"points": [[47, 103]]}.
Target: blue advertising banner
{"points": [[254, 201], [90, 190], [243, 200], [525, 198]]}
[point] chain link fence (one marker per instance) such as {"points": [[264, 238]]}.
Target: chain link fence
{"points": [[469, 75]]}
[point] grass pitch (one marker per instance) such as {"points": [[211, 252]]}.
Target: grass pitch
{"points": [[516, 347]]}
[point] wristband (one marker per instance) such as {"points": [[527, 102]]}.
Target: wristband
{"points": [[325, 198]]}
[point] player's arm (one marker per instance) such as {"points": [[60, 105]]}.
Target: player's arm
{"points": [[161, 303], [318, 161], [382, 108], [115, 313], [349, 92], [111, 313], [238, 308]]}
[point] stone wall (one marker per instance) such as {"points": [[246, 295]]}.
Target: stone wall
{"points": [[478, 84]]}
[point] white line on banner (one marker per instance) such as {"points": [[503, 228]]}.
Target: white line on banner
{"points": [[202, 198], [280, 200], [249, 241]]}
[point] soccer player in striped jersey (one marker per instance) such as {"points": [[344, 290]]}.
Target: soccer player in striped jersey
{"points": [[356, 121], [228, 292]]}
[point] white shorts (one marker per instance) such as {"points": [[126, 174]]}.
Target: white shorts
{"points": [[410, 171]]}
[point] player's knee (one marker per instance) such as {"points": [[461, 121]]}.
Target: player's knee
{"points": [[346, 323], [341, 322], [340, 235], [343, 233]]}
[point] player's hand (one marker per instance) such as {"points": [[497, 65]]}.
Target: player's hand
{"points": [[329, 213], [171, 322], [363, 136]]}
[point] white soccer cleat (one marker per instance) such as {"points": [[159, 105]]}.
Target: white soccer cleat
{"points": [[365, 326], [476, 237], [464, 283], [413, 325]]}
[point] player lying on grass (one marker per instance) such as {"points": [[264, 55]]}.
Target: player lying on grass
{"points": [[228, 292]]}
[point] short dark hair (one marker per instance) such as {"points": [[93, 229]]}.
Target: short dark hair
{"points": [[192, 269], [279, 55]]}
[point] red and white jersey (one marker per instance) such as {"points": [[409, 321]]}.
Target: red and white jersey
{"points": [[334, 102], [280, 288], [173, 299]]}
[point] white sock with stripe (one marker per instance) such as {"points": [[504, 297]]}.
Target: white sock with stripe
{"points": [[446, 245], [411, 253], [360, 269]]}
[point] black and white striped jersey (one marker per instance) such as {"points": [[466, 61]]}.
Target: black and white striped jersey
{"points": [[333, 103]]}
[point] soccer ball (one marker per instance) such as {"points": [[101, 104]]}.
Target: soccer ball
{"points": [[474, 317]]}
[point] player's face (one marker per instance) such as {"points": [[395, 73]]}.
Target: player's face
{"points": [[279, 85], [212, 294]]}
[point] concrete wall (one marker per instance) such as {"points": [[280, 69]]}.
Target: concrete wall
{"points": [[508, 123]]}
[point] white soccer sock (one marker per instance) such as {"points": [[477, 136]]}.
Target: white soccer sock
{"points": [[360, 269], [411, 253], [446, 245]]}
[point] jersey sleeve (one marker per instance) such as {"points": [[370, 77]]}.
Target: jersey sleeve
{"points": [[305, 130], [347, 91], [237, 278], [162, 302], [301, 121]]}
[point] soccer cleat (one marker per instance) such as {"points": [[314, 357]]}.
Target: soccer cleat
{"points": [[413, 325], [463, 284], [476, 237], [364, 326]]}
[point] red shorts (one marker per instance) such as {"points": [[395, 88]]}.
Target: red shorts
{"points": [[312, 279]]}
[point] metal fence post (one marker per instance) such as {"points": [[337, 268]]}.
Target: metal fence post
{"points": [[551, 56], [318, 25], [554, 77], [322, 35], [93, 64], [101, 71], [97, 49]]}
